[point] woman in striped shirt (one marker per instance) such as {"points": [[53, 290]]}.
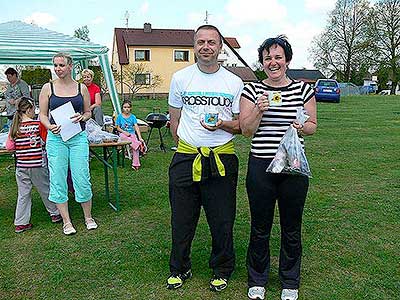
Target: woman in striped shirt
{"points": [[267, 109]]}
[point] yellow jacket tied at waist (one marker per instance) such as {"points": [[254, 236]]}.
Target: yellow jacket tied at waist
{"points": [[213, 153]]}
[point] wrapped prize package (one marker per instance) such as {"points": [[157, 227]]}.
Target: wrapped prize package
{"points": [[290, 157], [98, 136]]}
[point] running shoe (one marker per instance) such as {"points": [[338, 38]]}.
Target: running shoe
{"points": [[22, 228], [218, 284], [175, 281]]}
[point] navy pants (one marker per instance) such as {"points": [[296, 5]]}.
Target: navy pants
{"points": [[263, 190], [217, 195]]}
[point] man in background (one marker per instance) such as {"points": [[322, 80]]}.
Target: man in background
{"points": [[15, 90]]}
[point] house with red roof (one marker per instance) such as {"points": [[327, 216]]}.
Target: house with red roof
{"points": [[162, 52]]}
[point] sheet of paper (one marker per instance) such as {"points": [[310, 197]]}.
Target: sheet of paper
{"points": [[62, 116]]}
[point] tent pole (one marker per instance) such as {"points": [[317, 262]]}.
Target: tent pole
{"points": [[108, 76], [122, 85]]}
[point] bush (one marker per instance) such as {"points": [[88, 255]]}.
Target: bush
{"points": [[36, 76], [98, 75]]}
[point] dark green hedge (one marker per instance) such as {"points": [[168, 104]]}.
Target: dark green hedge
{"points": [[42, 76], [36, 76]]}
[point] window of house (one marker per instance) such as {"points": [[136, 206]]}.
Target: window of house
{"points": [[142, 79], [181, 55], [142, 55]]}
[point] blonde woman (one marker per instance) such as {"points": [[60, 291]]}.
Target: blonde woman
{"points": [[95, 96], [73, 153]]}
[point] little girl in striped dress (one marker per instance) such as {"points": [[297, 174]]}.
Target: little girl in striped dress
{"points": [[26, 137]]}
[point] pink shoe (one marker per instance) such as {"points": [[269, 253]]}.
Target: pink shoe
{"points": [[56, 218], [22, 228]]}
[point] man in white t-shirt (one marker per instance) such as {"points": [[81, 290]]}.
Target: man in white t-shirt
{"points": [[204, 169]]}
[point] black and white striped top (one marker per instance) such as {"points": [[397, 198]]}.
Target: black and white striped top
{"points": [[277, 119]]}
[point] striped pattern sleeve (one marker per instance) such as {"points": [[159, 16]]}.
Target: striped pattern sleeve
{"points": [[249, 92], [308, 92]]}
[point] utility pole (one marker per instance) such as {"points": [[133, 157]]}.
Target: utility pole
{"points": [[206, 18], [127, 19]]}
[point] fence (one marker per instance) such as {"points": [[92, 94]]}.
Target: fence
{"points": [[348, 88]]}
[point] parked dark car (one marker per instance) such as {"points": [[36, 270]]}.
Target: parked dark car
{"points": [[327, 90]]}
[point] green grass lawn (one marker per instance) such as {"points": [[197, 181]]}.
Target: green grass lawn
{"points": [[350, 233]]}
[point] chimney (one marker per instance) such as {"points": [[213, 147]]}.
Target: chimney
{"points": [[147, 28]]}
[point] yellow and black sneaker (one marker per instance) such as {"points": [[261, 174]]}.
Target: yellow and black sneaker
{"points": [[175, 281], [218, 284]]}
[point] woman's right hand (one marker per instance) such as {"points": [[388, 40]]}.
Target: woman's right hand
{"points": [[55, 129], [263, 102]]}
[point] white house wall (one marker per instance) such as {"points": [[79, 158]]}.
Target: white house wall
{"points": [[229, 58]]}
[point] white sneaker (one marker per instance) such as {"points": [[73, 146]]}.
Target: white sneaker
{"points": [[90, 224], [68, 229], [256, 292], [288, 294]]}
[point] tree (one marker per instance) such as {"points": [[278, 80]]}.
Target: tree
{"points": [[33, 75], [137, 77], [98, 78], [360, 73], [82, 33], [383, 77], [385, 29], [260, 74], [344, 44], [259, 71]]}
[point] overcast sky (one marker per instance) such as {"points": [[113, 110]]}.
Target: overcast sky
{"points": [[250, 21]]}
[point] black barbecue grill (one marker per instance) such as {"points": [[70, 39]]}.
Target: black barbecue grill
{"points": [[157, 120]]}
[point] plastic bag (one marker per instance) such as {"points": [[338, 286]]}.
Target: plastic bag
{"points": [[98, 136], [290, 157], [3, 139]]}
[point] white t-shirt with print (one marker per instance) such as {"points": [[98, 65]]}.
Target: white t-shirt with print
{"points": [[197, 93]]}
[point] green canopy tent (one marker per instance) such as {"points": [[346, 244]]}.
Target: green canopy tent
{"points": [[26, 44]]}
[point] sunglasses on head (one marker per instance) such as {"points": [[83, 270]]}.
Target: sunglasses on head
{"points": [[272, 41]]}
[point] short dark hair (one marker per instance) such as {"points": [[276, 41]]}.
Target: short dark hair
{"points": [[126, 101], [210, 27], [11, 71], [280, 40]]}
